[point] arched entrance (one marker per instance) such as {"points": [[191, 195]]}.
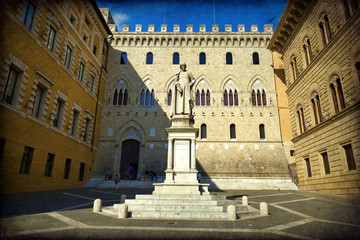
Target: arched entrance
{"points": [[129, 158]]}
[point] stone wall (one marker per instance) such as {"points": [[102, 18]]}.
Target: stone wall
{"points": [[246, 155], [333, 62]]}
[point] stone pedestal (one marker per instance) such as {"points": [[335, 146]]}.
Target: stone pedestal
{"points": [[181, 173]]}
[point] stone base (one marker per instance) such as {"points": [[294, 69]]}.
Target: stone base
{"points": [[181, 188]]}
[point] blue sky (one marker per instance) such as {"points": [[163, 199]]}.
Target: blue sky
{"points": [[194, 12]]}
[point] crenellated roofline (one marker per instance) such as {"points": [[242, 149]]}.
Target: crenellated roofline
{"points": [[268, 29]]}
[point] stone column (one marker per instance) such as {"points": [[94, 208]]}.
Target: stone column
{"points": [[170, 155], [193, 158], [169, 172]]}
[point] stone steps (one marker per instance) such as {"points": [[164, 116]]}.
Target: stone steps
{"points": [[181, 206], [177, 196], [170, 202], [179, 215], [171, 208]]}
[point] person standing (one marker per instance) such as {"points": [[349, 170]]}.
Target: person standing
{"points": [[117, 180]]}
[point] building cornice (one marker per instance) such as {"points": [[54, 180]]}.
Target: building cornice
{"points": [[288, 23]]}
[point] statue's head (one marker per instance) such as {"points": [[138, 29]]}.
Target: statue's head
{"points": [[183, 66]]}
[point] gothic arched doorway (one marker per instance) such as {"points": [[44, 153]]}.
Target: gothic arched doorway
{"points": [[129, 158]]}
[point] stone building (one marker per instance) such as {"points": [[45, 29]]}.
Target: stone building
{"points": [[236, 108], [53, 69], [320, 47]]}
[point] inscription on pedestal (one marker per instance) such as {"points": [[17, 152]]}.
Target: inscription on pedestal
{"points": [[181, 155]]}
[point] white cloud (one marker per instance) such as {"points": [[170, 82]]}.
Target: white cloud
{"points": [[120, 18]]}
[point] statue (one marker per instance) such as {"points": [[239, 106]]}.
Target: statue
{"points": [[182, 95]]}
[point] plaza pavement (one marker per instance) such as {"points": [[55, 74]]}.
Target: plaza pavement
{"points": [[67, 214]]}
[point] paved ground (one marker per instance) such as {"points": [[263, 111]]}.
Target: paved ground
{"points": [[67, 214]]}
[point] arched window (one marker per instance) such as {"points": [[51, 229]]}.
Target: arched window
{"points": [[232, 131], [125, 101], [203, 98], [169, 97], [313, 103], [203, 131], [294, 68], [325, 31], [236, 98], [340, 93], [231, 98], [225, 98], [176, 58], [142, 98], [253, 97], [147, 98], [258, 98], [334, 97], [264, 103], [229, 58], [115, 97], [208, 97], [123, 59], [350, 7], [198, 98], [152, 99], [357, 66], [255, 58], [301, 119], [149, 58], [337, 95], [307, 52], [327, 28], [262, 131], [202, 58], [120, 100]]}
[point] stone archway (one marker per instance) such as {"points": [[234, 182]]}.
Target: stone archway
{"points": [[130, 141], [130, 152]]}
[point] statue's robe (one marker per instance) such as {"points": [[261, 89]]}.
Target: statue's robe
{"points": [[180, 102]]}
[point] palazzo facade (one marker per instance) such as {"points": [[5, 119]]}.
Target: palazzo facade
{"points": [[52, 78], [236, 105], [320, 47]]}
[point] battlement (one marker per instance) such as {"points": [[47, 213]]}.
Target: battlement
{"points": [[268, 29]]}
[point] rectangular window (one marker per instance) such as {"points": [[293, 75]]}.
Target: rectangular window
{"points": [[28, 15], [92, 82], [308, 167], [232, 131], [81, 171], [11, 86], [58, 113], [349, 157], [51, 39], [292, 153], [38, 102], [68, 57], [74, 122], [67, 168], [49, 165], [326, 162], [81, 72], [87, 129], [26, 160]]}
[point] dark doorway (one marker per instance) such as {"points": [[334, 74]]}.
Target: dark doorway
{"points": [[129, 158]]}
